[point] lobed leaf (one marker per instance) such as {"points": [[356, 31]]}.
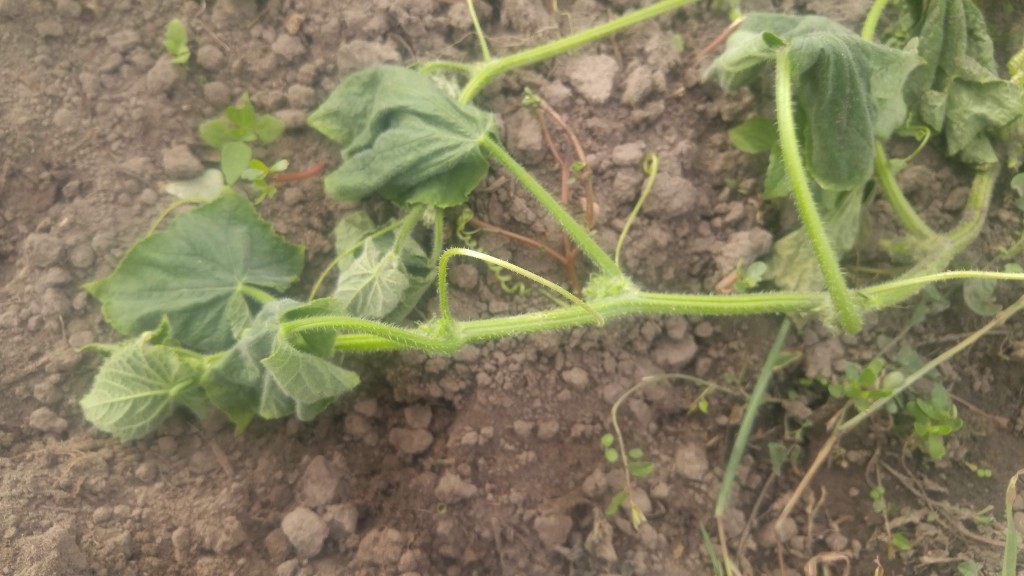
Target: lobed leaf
{"points": [[267, 374], [403, 139], [196, 273], [373, 284], [374, 281], [137, 388]]}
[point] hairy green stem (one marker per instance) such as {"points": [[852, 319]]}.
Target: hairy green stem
{"points": [[409, 222], [574, 229], [488, 71], [917, 282], [358, 335], [891, 189], [848, 315], [946, 246]]}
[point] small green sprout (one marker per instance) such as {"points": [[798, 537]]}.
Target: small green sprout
{"points": [[241, 124], [632, 463], [257, 175], [176, 41], [231, 134], [935, 417]]}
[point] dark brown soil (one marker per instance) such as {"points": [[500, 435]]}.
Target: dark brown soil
{"points": [[488, 462]]}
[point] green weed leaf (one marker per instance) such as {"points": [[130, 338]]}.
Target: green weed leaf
{"points": [[270, 375], [217, 132], [240, 124], [176, 42], [641, 469], [196, 273], [268, 128], [137, 388], [403, 139], [243, 116], [234, 160], [616, 503], [900, 542]]}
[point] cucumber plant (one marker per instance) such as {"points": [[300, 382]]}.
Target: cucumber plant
{"points": [[201, 302]]}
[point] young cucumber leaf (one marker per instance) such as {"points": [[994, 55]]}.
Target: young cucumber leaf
{"points": [[957, 91], [268, 374], [196, 273], [137, 388], [848, 90], [403, 139], [374, 281], [372, 286]]}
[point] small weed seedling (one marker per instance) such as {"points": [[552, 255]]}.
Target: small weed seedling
{"points": [[240, 124], [898, 541], [176, 42], [231, 135], [632, 463]]}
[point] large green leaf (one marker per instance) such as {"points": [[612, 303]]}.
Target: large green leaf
{"points": [[957, 91], [196, 273], [270, 375], [137, 388], [848, 90], [403, 139]]}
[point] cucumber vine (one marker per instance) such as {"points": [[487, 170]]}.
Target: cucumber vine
{"points": [[200, 301]]}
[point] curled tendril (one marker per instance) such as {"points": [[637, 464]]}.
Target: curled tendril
{"points": [[508, 281]]}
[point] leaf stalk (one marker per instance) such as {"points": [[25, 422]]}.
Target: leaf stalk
{"points": [[848, 315]]}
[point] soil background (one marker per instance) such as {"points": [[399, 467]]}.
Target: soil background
{"points": [[488, 462]]}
